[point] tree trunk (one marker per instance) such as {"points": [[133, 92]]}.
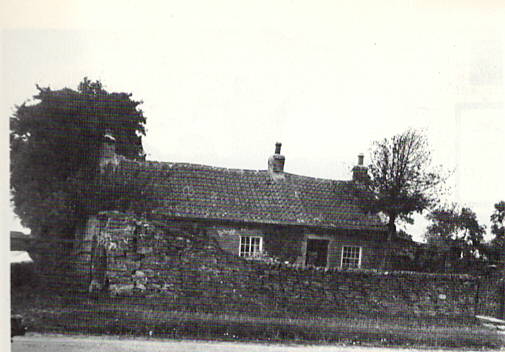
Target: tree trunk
{"points": [[386, 259]]}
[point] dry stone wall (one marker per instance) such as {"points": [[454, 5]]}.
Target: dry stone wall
{"points": [[171, 260]]}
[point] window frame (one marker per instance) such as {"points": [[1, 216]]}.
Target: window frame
{"points": [[360, 255], [244, 254]]}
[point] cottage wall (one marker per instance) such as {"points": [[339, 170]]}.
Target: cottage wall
{"points": [[288, 243], [282, 243], [371, 246]]}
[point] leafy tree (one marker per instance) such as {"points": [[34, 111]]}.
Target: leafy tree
{"points": [[498, 220], [403, 180], [497, 246], [55, 147], [456, 237]]}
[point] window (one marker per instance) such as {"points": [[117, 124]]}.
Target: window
{"points": [[351, 257], [250, 246]]}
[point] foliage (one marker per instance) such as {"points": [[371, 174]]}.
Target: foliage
{"points": [[498, 220], [456, 224], [455, 237], [55, 145], [497, 245], [129, 188], [403, 180]]}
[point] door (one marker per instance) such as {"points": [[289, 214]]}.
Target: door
{"points": [[317, 252]]}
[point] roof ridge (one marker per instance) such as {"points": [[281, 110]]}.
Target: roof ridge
{"points": [[318, 178], [217, 168]]}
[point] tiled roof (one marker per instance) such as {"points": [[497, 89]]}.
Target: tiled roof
{"points": [[197, 191]]}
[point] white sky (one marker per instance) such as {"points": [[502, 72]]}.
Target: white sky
{"points": [[222, 81]]}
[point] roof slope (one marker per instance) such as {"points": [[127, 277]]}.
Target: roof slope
{"points": [[205, 192]]}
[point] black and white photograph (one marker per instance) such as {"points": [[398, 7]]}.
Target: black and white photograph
{"points": [[284, 175]]}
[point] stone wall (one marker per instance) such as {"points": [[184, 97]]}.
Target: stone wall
{"points": [[491, 298], [184, 262]]}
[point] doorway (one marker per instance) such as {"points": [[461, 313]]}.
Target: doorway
{"points": [[317, 253]]}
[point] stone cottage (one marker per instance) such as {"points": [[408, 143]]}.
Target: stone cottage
{"points": [[252, 213]]}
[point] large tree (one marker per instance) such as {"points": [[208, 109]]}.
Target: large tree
{"points": [[55, 144], [456, 237], [402, 179]]}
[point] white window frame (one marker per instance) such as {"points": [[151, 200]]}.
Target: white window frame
{"points": [[360, 255], [250, 253]]}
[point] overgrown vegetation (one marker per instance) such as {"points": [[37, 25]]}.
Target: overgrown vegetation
{"points": [[55, 147]]}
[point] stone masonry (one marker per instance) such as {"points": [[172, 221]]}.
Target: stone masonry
{"points": [[157, 259]]}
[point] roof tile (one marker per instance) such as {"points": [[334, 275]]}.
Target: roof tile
{"points": [[199, 191]]}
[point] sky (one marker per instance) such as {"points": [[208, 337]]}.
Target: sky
{"points": [[223, 81]]}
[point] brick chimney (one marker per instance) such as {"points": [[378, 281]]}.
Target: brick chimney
{"points": [[108, 154], [276, 161], [360, 171]]}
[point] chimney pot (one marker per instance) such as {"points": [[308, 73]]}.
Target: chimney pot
{"points": [[360, 172], [276, 161], [278, 146]]}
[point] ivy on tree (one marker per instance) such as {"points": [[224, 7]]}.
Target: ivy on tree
{"points": [[55, 145]]}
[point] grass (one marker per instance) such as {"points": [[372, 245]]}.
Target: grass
{"points": [[49, 312]]}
